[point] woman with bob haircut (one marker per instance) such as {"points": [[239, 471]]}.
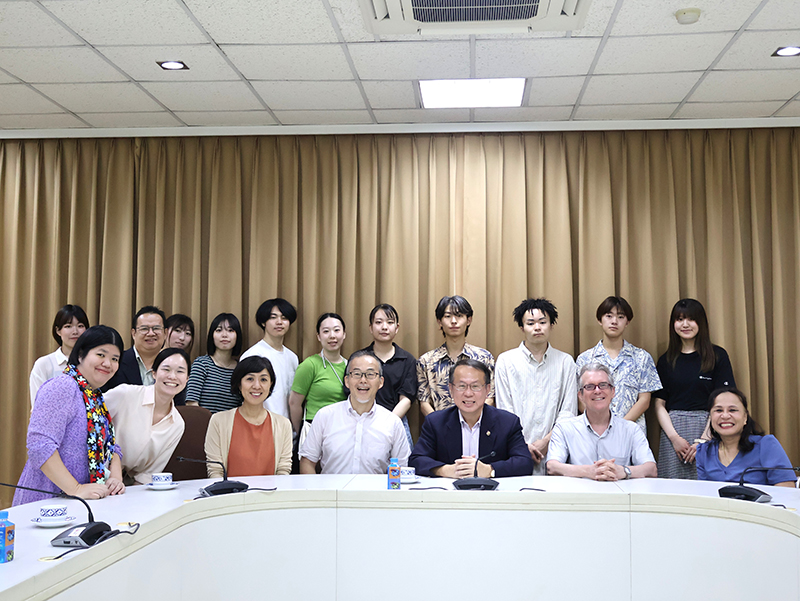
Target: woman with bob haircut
{"points": [[71, 442], [210, 381], [250, 440], [737, 443], [70, 322], [148, 425], [690, 370]]}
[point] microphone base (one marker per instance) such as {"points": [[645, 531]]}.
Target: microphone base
{"points": [[744, 493], [225, 487], [475, 484], [82, 536]]}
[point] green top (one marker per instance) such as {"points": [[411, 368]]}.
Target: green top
{"points": [[321, 385]]}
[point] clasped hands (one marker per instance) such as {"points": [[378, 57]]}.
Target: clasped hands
{"points": [[465, 468], [683, 449], [606, 470]]}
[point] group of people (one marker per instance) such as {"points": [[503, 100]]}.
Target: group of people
{"points": [[104, 417]]}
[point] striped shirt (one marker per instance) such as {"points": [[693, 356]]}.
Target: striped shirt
{"points": [[210, 385]]}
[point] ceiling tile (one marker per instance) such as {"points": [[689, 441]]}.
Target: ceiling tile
{"points": [[727, 110], [411, 60], [25, 24], [100, 97], [554, 91], [534, 58], [648, 17], [129, 22], [162, 119], [323, 117], [19, 98], [625, 112], [260, 22], [205, 62], [743, 86], [524, 114], [58, 65], [648, 54], [6, 78], [423, 116], [351, 21], [204, 96], [226, 118], [310, 95], [753, 50], [778, 14], [391, 94], [308, 62], [639, 89], [791, 110], [596, 19], [40, 121]]}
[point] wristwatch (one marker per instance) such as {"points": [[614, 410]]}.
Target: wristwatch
{"points": [[627, 472], [492, 474]]}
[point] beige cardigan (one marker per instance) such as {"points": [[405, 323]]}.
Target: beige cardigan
{"points": [[218, 442]]}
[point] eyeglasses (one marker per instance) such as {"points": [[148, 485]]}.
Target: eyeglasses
{"points": [[473, 387], [146, 329], [369, 375], [601, 386]]}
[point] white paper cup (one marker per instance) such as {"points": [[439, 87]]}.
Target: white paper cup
{"points": [[408, 474], [162, 479], [53, 513]]}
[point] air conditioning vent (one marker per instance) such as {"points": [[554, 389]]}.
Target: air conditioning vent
{"points": [[472, 16]]}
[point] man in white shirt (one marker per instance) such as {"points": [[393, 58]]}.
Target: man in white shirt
{"points": [[535, 381], [598, 444], [275, 316], [356, 436]]}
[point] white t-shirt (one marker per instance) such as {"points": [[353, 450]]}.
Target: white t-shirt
{"points": [[284, 362]]}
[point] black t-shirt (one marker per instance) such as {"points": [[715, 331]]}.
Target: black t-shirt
{"points": [[399, 377], [685, 387]]}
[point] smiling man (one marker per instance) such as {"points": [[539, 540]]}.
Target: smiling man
{"points": [[136, 364], [356, 436], [598, 444], [454, 441]]}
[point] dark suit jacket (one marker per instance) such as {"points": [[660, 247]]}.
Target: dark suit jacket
{"points": [[440, 442], [128, 372]]}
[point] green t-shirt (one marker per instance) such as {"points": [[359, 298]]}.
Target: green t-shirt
{"points": [[319, 384]]}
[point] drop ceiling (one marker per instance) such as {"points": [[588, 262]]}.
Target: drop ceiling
{"points": [[86, 66]]}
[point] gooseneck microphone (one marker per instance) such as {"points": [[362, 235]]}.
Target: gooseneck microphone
{"points": [[218, 488], [475, 483], [748, 493]]}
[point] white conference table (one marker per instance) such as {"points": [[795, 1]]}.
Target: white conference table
{"points": [[348, 538]]}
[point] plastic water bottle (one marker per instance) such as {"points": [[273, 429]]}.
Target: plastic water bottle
{"points": [[394, 474], [7, 536]]}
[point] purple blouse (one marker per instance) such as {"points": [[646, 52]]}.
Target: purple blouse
{"points": [[58, 423]]}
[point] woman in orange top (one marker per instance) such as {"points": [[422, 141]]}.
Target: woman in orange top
{"points": [[249, 440]]}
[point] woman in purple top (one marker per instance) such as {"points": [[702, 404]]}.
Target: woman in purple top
{"points": [[71, 444]]}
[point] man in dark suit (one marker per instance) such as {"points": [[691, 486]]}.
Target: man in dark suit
{"points": [[136, 364], [452, 441]]}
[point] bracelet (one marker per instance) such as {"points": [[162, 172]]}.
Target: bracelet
{"points": [[700, 440]]}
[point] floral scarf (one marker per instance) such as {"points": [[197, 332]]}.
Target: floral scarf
{"points": [[100, 432]]}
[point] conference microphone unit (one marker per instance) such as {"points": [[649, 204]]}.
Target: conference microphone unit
{"points": [[748, 493], [218, 488], [81, 536], [475, 483]]}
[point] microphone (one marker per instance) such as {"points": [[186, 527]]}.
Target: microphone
{"points": [[475, 483], [218, 488], [82, 536], [748, 493]]}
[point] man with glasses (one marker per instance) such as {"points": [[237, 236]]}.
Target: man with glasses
{"points": [[598, 444], [136, 364], [355, 436], [471, 435]]}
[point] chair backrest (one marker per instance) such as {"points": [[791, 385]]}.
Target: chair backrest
{"points": [[191, 445]]}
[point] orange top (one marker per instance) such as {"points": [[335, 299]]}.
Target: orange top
{"points": [[252, 451]]}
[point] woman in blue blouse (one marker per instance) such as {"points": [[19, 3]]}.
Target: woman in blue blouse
{"points": [[738, 443]]}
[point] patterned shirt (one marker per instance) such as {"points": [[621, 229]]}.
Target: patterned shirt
{"points": [[633, 371], [433, 374]]}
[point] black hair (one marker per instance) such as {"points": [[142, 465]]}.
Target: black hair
{"points": [[751, 427], [325, 316], [149, 309], [544, 305], [168, 352], [64, 316], [364, 353], [251, 365], [487, 373], [457, 304], [614, 302], [92, 338], [265, 310], [178, 320], [234, 324], [690, 308], [389, 310]]}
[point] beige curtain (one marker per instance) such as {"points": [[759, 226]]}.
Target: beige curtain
{"points": [[339, 223]]}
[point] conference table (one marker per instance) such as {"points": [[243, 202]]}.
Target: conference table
{"points": [[346, 537]]}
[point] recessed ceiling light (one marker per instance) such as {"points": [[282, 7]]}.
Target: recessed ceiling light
{"points": [[787, 51], [173, 65], [471, 93]]}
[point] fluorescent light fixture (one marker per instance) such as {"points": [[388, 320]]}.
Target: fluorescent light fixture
{"points": [[173, 65], [471, 93], [787, 51]]}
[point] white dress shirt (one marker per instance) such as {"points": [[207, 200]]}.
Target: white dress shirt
{"points": [[45, 368], [345, 442], [470, 437], [284, 363]]}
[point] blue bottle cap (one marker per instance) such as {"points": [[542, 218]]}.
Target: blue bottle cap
{"points": [[3, 515]]}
